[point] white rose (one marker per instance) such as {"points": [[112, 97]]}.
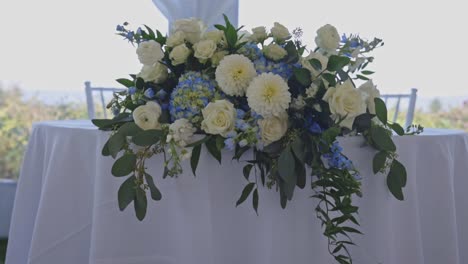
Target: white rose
{"points": [[280, 32], [147, 116], [153, 73], [274, 52], [273, 128], [345, 102], [217, 57], [218, 118], [327, 38], [259, 34], [214, 35], [149, 52], [371, 92], [181, 131], [179, 54], [192, 28], [175, 39], [314, 55], [204, 50]]}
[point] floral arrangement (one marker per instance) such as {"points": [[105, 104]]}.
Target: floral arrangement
{"points": [[255, 92]]}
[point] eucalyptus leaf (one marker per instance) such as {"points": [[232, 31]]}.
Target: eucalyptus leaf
{"points": [[124, 165], [382, 139], [400, 171], [155, 193], [316, 64], [303, 76], [129, 129], [395, 186], [213, 149], [381, 110], [141, 204], [195, 158], [115, 144], [245, 193], [397, 128], [379, 160], [336, 63], [246, 171], [126, 193], [255, 201], [105, 149], [286, 164], [147, 137]]}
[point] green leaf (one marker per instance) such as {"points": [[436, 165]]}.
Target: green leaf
{"points": [[293, 55], [286, 165], [367, 72], [381, 110], [147, 137], [220, 27], [126, 82], [115, 144], [378, 162], [300, 174], [199, 142], [195, 158], [303, 76], [330, 78], [395, 186], [141, 204], [362, 77], [316, 64], [245, 193], [298, 149], [397, 128], [105, 149], [124, 165], [129, 129], [150, 31], [213, 149], [399, 170], [351, 230], [155, 193], [382, 139], [336, 63], [246, 171], [219, 143], [126, 193], [140, 84], [255, 201], [330, 134]]}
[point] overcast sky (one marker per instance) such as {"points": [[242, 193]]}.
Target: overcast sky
{"points": [[58, 44]]}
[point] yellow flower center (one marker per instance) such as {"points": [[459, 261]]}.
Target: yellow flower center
{"points": [[270, 92], [237, 74]]}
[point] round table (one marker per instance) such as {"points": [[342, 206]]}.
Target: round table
{"points": [[66, 208]]}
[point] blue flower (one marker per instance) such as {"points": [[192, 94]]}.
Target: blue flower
{"points": [[251, 51], [285, 70], [312, 126], [336, 159], [131, 90], [161, 94], [130, 36], [138, 31], [120, 28], [240, 113], [229, 144], [149, 93], [344, 39], [231, 134]]}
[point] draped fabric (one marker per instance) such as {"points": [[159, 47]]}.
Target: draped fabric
{"points": [[211, 12]]}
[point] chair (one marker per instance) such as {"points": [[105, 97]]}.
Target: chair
{"points": [[411, 105], [90, 99]]}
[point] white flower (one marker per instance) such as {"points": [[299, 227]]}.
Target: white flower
{"points": [[217, 57], [192, 28], [312, 90], [179, 54], [147, 116], [181, 131], [218, 118], [314, 55], [371, 92], [149, 52], [259, 34], [268, 94], [204, 50], [214, 35], [273, 128], [345, 102], [244, 36], [280, 32], [298, 103], [153, 73], [234, 74], [185, 154], [274, 52], [175, 39], [327, 38]]}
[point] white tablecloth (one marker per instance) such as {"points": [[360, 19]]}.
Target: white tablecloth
{"points": [[66, 209]]}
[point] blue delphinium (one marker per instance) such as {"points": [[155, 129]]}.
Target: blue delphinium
{"points": [[193, 92], [283, 69], [131, 90], [312, 126], [149, 93], [251, 51], [336, 159]]}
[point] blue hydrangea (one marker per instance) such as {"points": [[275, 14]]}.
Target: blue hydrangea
{"points": [[251, 51], [229, 144], [193, 92], [336, 159], [283, 69], [312, 126]]}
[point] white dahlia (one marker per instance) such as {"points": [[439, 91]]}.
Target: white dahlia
{"points": [[268, 95], [234, 74]]}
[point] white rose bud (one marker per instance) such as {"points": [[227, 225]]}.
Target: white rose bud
{"points": [[274, 52], [259, 34], [147, 116], [218, 118], [280, 32], [179, 54], [153, 73], [273, 128], [217, 57], [204, 50], [181, 131], [371, 92], [214, 35], [192, 28], [346, 101], [327, 38], [149, 52], [175, 39]]}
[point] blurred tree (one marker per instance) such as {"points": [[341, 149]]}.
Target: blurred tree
{"points": [[435, 106]]}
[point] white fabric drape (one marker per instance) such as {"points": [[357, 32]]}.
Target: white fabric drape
{"points": [[66, 209], [210, 11]]}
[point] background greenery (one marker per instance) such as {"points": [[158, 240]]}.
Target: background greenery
{"points": [[3, 244]]}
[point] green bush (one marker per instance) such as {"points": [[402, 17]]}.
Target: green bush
{"points": [[16, 118]]}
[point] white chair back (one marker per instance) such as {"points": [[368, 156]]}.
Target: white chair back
{"points": [[411, 105], [90, 98]]}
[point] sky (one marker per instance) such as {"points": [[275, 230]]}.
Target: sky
{"points": [[58, 45]]}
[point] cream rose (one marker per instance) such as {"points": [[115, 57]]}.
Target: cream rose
{"points": [[273, 128], [327, 38], [153, 73], [147, 116], [274, 52], [259, 34], [214, 35], [371, 92], [204, 50], [175, 39], [218, 118], [345, 102], [149, 52], [192, 28], [179, 54], [280, 32]]}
